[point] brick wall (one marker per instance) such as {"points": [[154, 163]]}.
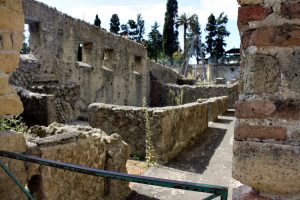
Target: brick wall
{"points": [[267, 133], [11, 38]]}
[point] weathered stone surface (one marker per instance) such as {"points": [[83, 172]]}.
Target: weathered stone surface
{"points": [[163, 74], [249, 2], [291, 10], [171, 127], [244, 131], [253, 13], [14, 142], [253, 196], [82, 146], [172, 95], [268, 168], [285, 35], [13, 19], [4, 87], [9, 61], [261, 74], [259, 109], [10, 104], [39, 109]]}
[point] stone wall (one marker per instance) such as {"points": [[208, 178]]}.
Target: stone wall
{"points": [[215, 106], [112, 70], [172, 127], [171, 94], [227, 71], [11, 37], [81, 146], [162, 73], [266, 147]]}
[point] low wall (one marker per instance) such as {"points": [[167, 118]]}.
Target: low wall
{"points": [[172, 128], [171, 94], [72, 144], [162, 73], [216, 106]]}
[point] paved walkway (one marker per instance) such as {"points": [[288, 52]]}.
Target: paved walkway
{"points": [[207, 161]]}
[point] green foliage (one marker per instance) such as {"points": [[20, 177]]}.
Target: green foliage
{"points": [[140, 28], [175, 99], [150, 160], [217, 31], [154, 43], [170, 32], [114, 24], [124, 30], [97, 21], [187, 22], [13, 124]]}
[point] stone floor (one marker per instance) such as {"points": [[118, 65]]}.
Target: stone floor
{"points": [[207, 160]]}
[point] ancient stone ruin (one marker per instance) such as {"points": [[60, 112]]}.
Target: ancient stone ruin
{"points": [[79, 72], [266, 147]]}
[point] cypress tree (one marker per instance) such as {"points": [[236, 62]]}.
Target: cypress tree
{"points": [[114, 24], [97, 21], [170, 32]]}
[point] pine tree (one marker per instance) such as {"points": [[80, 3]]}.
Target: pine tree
{"points": [[97, 21], [170, 32], [140, 28], [154, 44], [114, 24], [124, 30], [132, 31], [217, 31]]}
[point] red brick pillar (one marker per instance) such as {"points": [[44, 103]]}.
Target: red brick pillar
{"points": [[267, 133]]}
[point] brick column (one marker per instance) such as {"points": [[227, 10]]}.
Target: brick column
{"points": [[267, 134], [11, 39]]}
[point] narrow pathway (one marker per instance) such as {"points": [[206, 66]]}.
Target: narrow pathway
{"points": [[207, 161]]}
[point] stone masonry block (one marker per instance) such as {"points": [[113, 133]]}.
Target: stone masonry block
{"points": [[244, 131], [11, 20], [10, 105], [291, 10], [261, 74], [6, 41], [14, 142], [249, 2], [252, 13], [260, 109], [9, 62], [268, 168], [4, 86], [17, 41], [285, 35]]}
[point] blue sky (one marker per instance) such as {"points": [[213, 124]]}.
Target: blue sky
{"points": [[153, 10]]}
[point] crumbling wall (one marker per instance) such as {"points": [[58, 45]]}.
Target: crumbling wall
{"points": [[171, 94], [172, 127], [162, 73], [112, 69], [11, 37], [266, 146], [227, 71], [215, 106], [81, 146]]}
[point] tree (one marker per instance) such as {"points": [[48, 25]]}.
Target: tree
{"points": [[170, 32], [217, 31], [154, 44], [125, 30], [140, 28], [132, 29], [114, 24], [187, 22], [97, 21]]}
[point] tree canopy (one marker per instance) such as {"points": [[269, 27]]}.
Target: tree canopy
{"points": [[170, 32], [97, 21], [216, 28], [154, 43], [114, 24]]}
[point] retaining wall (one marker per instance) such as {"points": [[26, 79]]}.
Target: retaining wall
{"points": [[172, 127]]}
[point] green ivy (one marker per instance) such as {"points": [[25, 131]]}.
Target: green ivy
{"points": [[13, 124]]}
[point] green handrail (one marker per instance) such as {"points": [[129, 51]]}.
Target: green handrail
{"points": [[197, 187]]}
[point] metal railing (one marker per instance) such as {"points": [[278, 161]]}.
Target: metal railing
{"points": [[216, 191]]}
